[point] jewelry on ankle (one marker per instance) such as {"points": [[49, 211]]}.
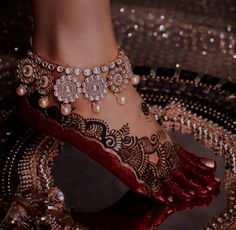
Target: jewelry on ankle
{"points": [[38, 75], [77, 70]]}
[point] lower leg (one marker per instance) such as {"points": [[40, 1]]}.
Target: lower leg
{"points": [[74, 32], [80, 33]]}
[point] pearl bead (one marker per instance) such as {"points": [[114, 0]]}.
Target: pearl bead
{"points": [[135, 79], [96, 108], [43, 102], [21, 90], [60, 196], [66, 109], [121, 99]]}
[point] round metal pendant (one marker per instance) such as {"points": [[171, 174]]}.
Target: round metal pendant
{"points": [[67, 89], [94, 87], [43, 82], [27, 71], [117, 80]]}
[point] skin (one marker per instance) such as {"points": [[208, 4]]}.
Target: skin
{"points": [[74, 32], [69, 27], [79, 33]]}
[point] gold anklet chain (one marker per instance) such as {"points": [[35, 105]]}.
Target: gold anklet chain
{"points": [[38, 75]]}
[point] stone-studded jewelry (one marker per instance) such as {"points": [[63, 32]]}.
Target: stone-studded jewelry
{"points": [[94, 88], [118, 78], [67, 89], [38, 75], [76, 71], [33, 78], [27, 72], [44, 83]]}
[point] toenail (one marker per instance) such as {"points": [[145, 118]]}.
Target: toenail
{"points": [[217, 179], [192, 192], [208, 162], [209, 188], [170, 199], [170, 211]]}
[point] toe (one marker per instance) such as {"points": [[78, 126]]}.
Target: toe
{"points": [[207, 180], [203, 164], [179, 190], [191, 183], [164, 195]]}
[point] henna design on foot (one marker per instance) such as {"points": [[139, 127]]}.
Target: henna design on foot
{"points": [[153, 160], [144, 109]]}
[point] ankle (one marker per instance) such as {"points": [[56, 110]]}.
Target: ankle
{"points": [[76, 33], [77, 50]]}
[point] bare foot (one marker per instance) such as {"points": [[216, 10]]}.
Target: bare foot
{"points": [[130, 137]]}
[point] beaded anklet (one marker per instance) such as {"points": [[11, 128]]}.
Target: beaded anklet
{"points": [[38, 75]]}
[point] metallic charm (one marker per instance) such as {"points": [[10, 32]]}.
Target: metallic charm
{"points": [[105, 68], [51, 67], [44, 102], [94, 87], [21, 90], [67, 89], [27, 71], [96, 107], [43, 82], [69, 70], [135, 79], [87, 72], [77, 71], [60, 69], [112, 65], [66, 109], [45, 64], [117, 80], [120, 59], [97, 70], [39, 75]]}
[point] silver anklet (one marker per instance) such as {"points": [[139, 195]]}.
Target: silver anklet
{"points": [[38, 75]]}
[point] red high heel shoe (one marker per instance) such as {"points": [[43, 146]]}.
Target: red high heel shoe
{"points": [[177, 173]]}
